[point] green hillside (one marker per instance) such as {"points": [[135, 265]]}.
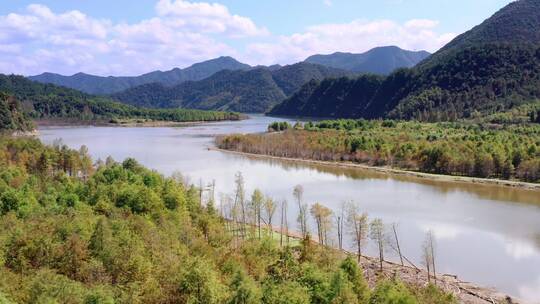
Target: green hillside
{"points": [[254, 90], [481, 72], [44, 101]]}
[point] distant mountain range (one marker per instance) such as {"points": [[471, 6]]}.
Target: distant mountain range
{"points": [[254, 90], [107, 85], [491, 68], [380, 60]]}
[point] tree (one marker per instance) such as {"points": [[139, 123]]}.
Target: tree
{"points": [[298, 194], [284, 226], [360, 227], [270, 210], [378, 235], [256, 204], [339, 225], [239, 201], [428, 249], [356, 278], [288, 292], [201, 284], [244, 290], [396, 240], [322, 216]]}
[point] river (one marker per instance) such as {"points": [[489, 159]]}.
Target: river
{"points": [[485, 234]]}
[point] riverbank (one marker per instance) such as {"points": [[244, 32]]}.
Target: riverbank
{"points": [[465, 292], [398, 172]]}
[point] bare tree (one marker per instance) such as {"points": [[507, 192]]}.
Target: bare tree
{"points": [[428, 249], [359, 223], [284, 227], [396, 239], [298, 193], [339, 225], [378, 235], [322, 216], [239, 201], [270, 210]]}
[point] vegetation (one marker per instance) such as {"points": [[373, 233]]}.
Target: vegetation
{"points": [[492, 68], [254, 90], [44, 101], [74, 232], [12, 117], [477, 80], [465, 149], [108, 85]]}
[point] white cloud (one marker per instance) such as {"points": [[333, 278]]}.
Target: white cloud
{"points": [[208, 17], [356, 36], [181, 33], [328, 2]]}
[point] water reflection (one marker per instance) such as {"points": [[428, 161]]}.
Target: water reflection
{"points": [[484, 191]]}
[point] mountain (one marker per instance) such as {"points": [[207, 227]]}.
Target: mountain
{"points": [[380, 60], [46, 101], [254, 90], [107, 85], [491, 68], [518, 22]]}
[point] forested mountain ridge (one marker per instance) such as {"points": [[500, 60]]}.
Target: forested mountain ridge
{"points": [[46, 101], [107, 85], [254, 90], [479, 77], [380, 60], [518, 22]]}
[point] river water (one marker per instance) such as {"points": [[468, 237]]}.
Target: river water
{"points": [[485, 234]]}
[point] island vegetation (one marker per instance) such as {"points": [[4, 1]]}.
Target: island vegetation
{"points": [[510, 151], [75, 231]]}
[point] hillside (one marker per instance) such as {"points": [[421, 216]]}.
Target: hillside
{"points": [[45, 101], [479, 73], [107, 85], [380, 60], [254, 90], [12, 116], [518, 22]]}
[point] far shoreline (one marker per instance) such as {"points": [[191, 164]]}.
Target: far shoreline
{"points": [[399, 172], [131, 124]]}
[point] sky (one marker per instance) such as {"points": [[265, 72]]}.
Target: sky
{"points": [[127, 37]]}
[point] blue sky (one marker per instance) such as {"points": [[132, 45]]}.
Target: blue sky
{"points": [[121, 37]]}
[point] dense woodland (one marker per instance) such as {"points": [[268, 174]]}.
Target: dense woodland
{"points": [[464, 149], [72, 231], [493, 67], [477, 80], [44, 101]]}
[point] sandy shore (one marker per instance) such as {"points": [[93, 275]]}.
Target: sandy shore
{"points": [[393, 171]]}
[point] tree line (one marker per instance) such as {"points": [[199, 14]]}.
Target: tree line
{"points": [[44, 101], [74, 230], [460, 148]]}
